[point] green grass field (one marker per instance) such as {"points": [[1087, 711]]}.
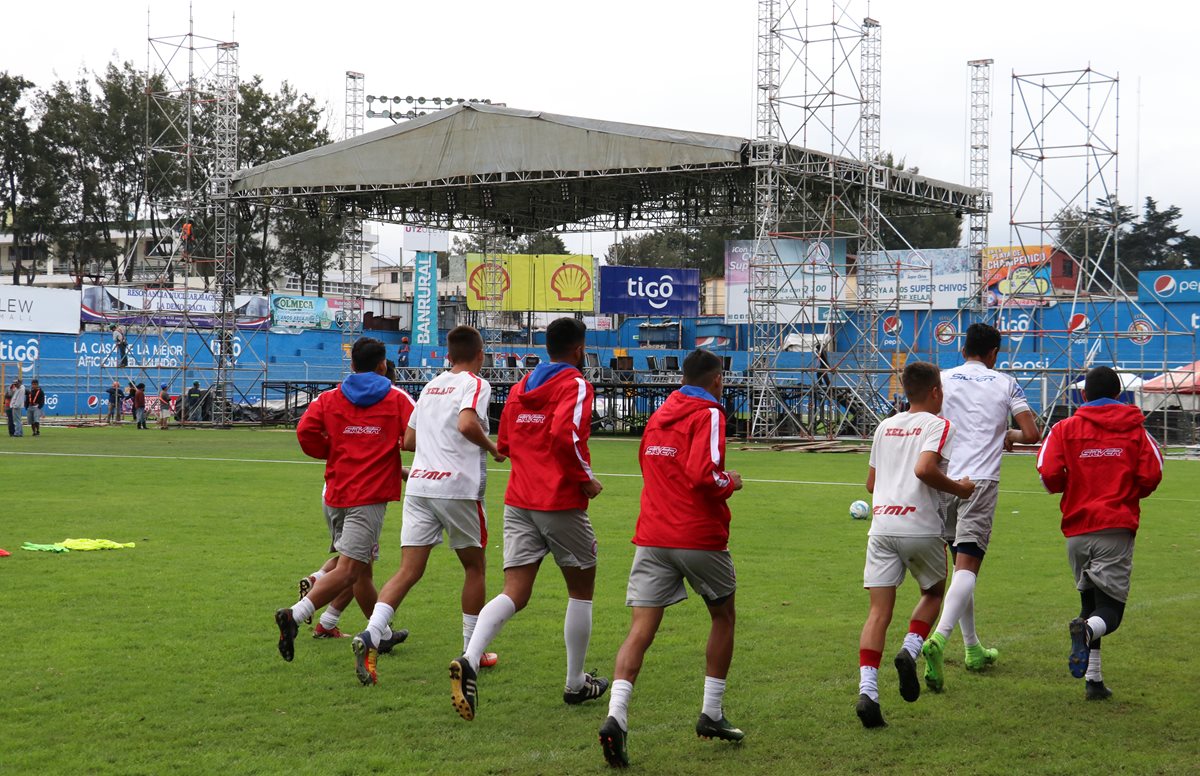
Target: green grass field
{"points": [[161, 659]]}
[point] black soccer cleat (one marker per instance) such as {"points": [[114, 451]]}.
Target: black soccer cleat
{"points": [[1096, 691], [612, 741], [398, 637], [464, 693], [1081, 638], [868, 712], [906, 668], [593, 687], [287, 633], [708, 729]]}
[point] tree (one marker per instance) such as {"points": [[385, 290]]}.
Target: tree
{"points": [[918, 230], [119, 124], [1155, 241], [17, 164], [702, 249], [306, 240]]}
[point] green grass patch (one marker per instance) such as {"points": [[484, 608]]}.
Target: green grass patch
{"points": [[161, 659]]}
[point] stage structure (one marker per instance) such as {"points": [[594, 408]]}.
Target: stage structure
{"points": [[186, 290], [980, 76], [350, 253], [1065, 232]]}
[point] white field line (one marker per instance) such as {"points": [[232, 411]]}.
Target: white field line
{"points": [[492, 471]]}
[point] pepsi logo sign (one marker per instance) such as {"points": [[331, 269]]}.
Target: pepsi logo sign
{"points": [[93, 402], [1164, 285], [892, 325], [1078, 323]]}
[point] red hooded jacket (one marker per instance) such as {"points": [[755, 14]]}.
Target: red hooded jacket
{"points": [[683, 470], [1104, 462], [544, 430], [357, 429]]}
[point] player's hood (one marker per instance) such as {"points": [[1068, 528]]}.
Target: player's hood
{"points": [[365, 389], [540, 384], [681, 404], [1111, 415]]}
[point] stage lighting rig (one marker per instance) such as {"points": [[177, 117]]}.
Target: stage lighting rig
{"points": [[410, 107]]}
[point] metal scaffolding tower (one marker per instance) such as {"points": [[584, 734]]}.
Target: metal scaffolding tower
{"points": [[980, 164], [350, 254], [225, 148]]}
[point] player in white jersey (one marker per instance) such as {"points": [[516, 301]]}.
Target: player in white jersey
{"points": [[449, 431], [906, 478], [979, 402]]}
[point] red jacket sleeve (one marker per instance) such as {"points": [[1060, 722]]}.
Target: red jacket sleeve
{"points": [[505, 423], [311, 431], [706, 456], [1150, 467], [1052, 461], [570, 428]]}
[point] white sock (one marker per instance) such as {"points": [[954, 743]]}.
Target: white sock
{"points": [[317, 574], [491, 620], [966, 624], [330, 617], [618, 702], [1093, 669], [577, 632], [962, 588], [469, 621], [379, 626], [912, 644], [714, 694], [1096, 626], [868, 682], [303, 609]]}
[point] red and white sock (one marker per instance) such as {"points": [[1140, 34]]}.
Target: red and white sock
{"points": [[918, 631], [868, 673]]}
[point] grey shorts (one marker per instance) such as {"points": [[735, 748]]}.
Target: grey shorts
{"points": [[355, 531], [1104, 560], [657, 576], [889, 556], [970, 520], [424, 520], [530, 535]]}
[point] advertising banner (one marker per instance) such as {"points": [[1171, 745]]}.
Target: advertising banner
{"points": [[425, 299], [50, 310], [531, 283], [312, 312], [1018, 275], [650, 291], [105, 304], [419, 238], [1167, 286], [804, 280]]}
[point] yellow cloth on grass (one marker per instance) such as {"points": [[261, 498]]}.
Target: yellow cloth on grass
{"points": [[93, 544]]}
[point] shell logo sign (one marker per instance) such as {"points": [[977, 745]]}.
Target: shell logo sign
{"points": [[538, 283]]}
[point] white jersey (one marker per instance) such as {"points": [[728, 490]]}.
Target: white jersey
{"points": [[978, 402], [902, 505], [447, 464]]}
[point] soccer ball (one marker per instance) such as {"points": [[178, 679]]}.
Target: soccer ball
{"points": [[860, 510]]}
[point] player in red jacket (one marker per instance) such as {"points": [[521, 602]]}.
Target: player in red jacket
{"points": [[544, 430], [682, 534], [357, 428], [1104, 462]]}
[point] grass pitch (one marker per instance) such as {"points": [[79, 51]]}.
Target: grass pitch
{"points": [[161, 659]]}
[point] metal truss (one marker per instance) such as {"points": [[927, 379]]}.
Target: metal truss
{"points": [[350, 253]]}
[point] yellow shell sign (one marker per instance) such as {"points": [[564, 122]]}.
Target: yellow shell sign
{"points": [[523, 283]]}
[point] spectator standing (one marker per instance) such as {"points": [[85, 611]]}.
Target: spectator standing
{"points": [[118, 335], [8, 392], [36, 401], [191, 403], [114, 401], [139, 405], [18, 406], [164, 406], [402, 354]]}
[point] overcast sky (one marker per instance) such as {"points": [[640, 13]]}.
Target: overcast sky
{"points": [[685, 64]]}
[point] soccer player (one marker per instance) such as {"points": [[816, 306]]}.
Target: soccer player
{"points": [[978, 404], [544, 430], [907, 473], [682, 534], [357, 428], [1104, 462], [449, 430]]}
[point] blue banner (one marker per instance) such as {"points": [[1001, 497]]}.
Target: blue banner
{"points": [[1167, 286], [650, 291], [425, 299]]}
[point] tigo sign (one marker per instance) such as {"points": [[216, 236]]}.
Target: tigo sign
{"points": [[1171, 286], [650, 291]]}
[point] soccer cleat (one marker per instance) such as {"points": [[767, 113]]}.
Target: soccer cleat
{"points": [[978, 657], [910, 685], [593, 687], [321, 632], [934, 651], [306, 584], [1096, 691], [612, 741], [708, 729], [287, 633], [398, 637], [464, 693], [488, 659], [868, 712], [1081, 637], [364, 658]]}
